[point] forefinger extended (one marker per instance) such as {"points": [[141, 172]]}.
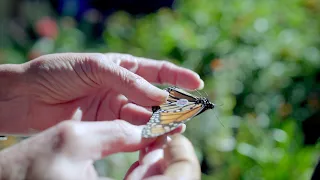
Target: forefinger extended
{"points": [[161, 72]]}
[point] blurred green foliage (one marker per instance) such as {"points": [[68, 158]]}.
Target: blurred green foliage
{"points": [[259, 60]]}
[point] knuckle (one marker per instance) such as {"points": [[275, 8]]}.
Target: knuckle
{"points": [[128, 57], [167, 64], [97, 57], [130, 79]]}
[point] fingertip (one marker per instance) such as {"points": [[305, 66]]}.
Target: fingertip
{"points": [[183, 128], [131, 169], [137, 89], [193, 82], [201, 85], [196, 74], [158, 143], [179, 130], [127, 137], [77, 115], [178, 144], [135, 114], [199, 81]]}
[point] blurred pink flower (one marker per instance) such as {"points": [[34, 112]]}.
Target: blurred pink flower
{"points": [[47, 27]]}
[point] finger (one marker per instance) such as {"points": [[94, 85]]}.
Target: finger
{"points": [[111, 105], [154, 151], [115, 106], [159, 71], [131, 169], [164, 72], [150, 160], [181, 159], [135, 87], [93, 140], [183, 128], [135, 114], [77, 116], [151, 164], [179, 129], [158, 143], [145, 171]]}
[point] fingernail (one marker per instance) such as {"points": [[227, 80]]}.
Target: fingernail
{"points": [[198, 76], [183, 128], [201, 86], [174, 136], [77, 116]]}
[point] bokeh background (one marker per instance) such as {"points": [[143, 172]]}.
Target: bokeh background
{"points": [[260, 62]]}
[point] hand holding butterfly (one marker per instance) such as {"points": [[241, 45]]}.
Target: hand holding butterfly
{"points": [[67, 151], [43, 92]]}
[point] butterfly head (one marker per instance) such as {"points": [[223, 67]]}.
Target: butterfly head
{"points": [[210, 105], [207, 103]]}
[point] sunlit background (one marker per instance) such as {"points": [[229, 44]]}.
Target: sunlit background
{"points": [[260, 62]]}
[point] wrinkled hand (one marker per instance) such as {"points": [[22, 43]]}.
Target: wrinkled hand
{"points": [[67, 152], [105, 86]]}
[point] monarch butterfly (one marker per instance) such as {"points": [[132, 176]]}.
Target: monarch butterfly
{"points": [[179, 108]]}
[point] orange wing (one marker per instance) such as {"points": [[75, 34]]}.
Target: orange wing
{"points": [[175, 95], [163, 122]]}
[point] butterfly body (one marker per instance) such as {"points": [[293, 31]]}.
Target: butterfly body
{"points": [[179, 108]]}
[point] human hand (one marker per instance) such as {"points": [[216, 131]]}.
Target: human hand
{"points": [[105, 86], [67, 151], [164, 160]]}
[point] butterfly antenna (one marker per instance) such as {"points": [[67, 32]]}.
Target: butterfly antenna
{"points": [[218, 119], [199, 93], [206, 94], [220, 104]]}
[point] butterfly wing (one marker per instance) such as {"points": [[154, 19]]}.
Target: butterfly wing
{"points": [[176, 94], [163, 121]]}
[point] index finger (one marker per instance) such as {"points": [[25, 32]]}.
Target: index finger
{"points": [[161, 72], [181, 159]]}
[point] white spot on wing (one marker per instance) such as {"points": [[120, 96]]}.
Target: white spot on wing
{"points": [[166, 128], [182, 102]]}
